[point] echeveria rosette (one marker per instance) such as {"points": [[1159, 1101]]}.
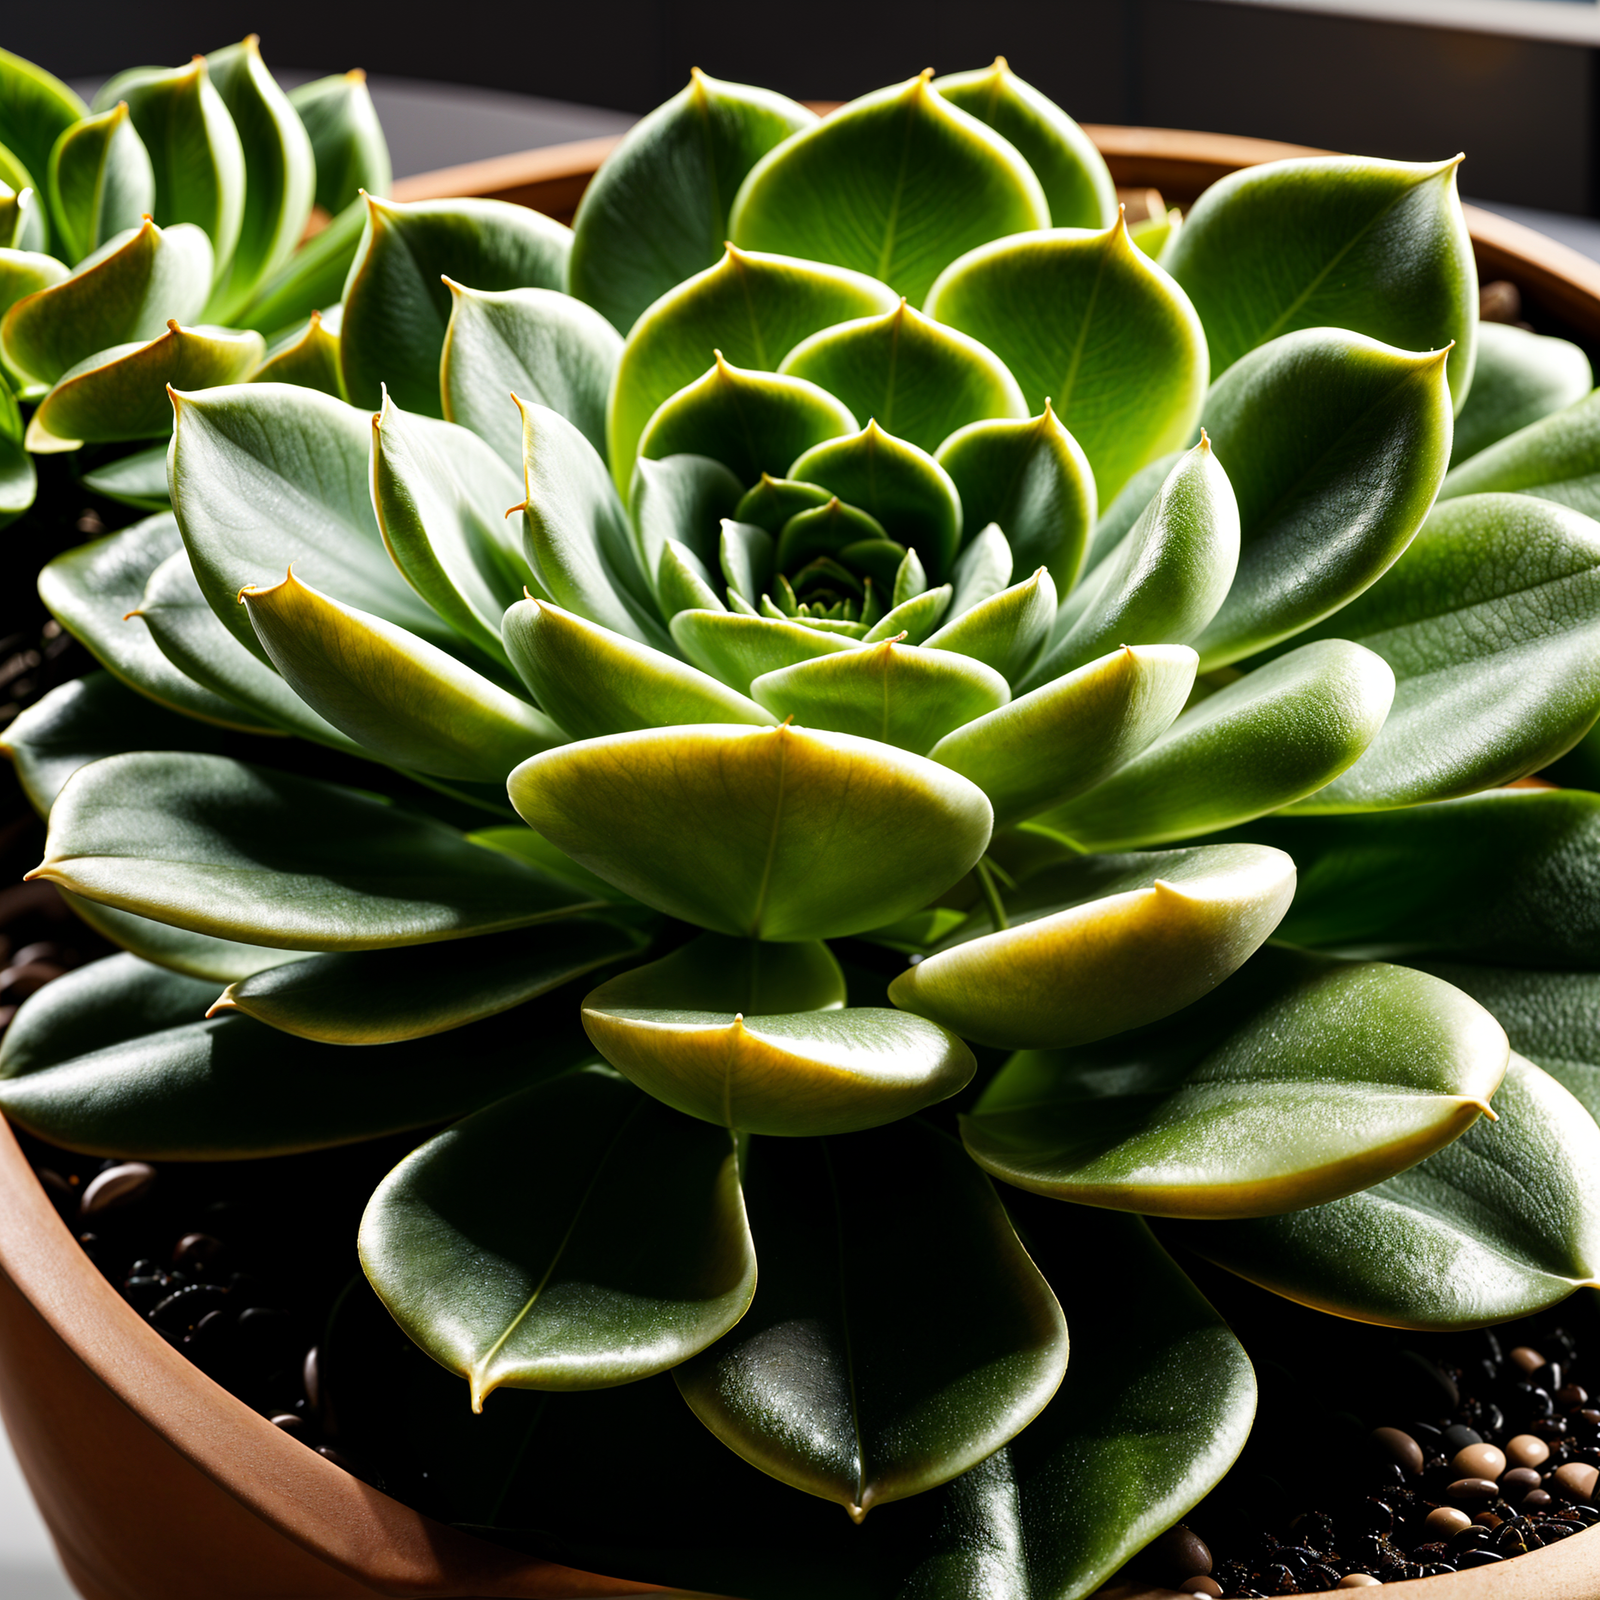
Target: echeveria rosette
{"points": [[930, 595], [154, 239]]}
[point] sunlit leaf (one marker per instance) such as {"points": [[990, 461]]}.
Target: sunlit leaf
{"points": [[36, 108], [100, 180], [313, 279], [308, 356], [738, 649], [346, 139]]}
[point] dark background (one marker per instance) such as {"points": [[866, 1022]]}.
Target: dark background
{"points": [[1523, 110]]}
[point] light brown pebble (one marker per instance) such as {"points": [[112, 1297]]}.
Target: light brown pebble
{"points": [[1359, 1580], [1398, 1447], [1576, 1480], [1527, 1451], [1526, 1357], [1536, 1500], [117, 1186], [1479, 1461], [1203, 1585], [1446, 1521], [1477, 1492]]}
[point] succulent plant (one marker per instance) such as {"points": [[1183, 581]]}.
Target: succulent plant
{"points": [[938, 660], [157, 237]]}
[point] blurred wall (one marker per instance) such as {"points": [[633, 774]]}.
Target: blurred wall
{"points": [[1523, 111]]}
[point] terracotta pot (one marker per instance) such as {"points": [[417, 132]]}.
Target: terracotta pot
{"points": [[156, 1484]]}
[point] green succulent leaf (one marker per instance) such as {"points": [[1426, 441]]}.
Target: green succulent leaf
{"points": [[752, 1036], [397, 305], [898, 183], [35, 110], [1378, 247], [121, 393], [523, 844], [22, 220], [1087, 322], [1084, 938], [739, 649], [752, 422], [903, 488], [100, 181], [1557, 458], [1118, 518], [91, 590], [1502, 1223], [347, 141], [441, 494], [745, 554], [1297, 1081], [119, 1059], [22, 273], [618, 1252], [308, 356], [1070, 735], [916, 379], [1264, 741], [313, 279], [657, 210], [1003, 627], [1165, 580], [1496, 660], [266, 474], [1076, 181], [753, 308], [384, 996], [537, 343], [682, 580], [245, 853], [593, 682], [914, 620], [1393, 885], [1338, 446], [18, 479], [127, 290], [820, 1385], [787, 864], [1030, 480], [195, 150], [1519, 377], [897, 693], [280, 172], [138, 479], [682, 498], [774, 503]]}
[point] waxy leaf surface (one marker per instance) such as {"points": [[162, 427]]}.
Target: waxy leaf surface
{"points": [[138, 479], [1006, 630], [36, 108], [739, 649], [1557, 458], [100, 181], [1518, 378], [308, 356], [313, 279], [683, 498], [346, 138]]}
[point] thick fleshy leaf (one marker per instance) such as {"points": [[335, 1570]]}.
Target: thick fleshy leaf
{"points": [[195, 150], [623, 1250], [900, 694], [827, 529], [36, 108], [1033, 481], [90, 591], [816, 834], [101, 181], [1069, 735], [775, 502], [1503, 1223], [1335, 446], [753, 1037], [752, 422], [739, 649], [914, 620], [397, 305], [1496, 661], [670, 182], [280, 172], [18, 479], [25, 272], [683, 582], [138, 479], [313, 279], [308, 356], [1511, 877], [1101, 944], [1165, 580], [1264, 741], [683, 498], [246, 853], [118, 1058], [523, 844], [267, 474], [831, 1383], [384, 996], [401, 699], [576, 535], [1117, 519], [1297, 1081], [347, 139], [1556, 459], [1076, 181], [23, 225], [1379, 247], [121, 393], [898, 183], [916, 379], [753, 308], [904, 488], [1518, 378], [441, 494], [593, 682], [1091, 324], [744, 554], [128, 289], [536, 343], [196, 955]]}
